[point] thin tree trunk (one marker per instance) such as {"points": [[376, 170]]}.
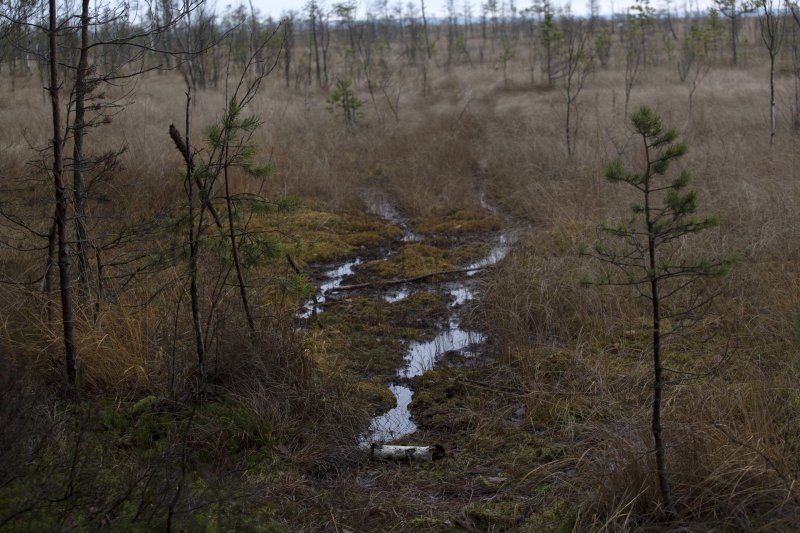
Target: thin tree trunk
{"points": [[325, 36], [567, 128], [194, 241], [771, 100], [658, 369], [658, 385], [79, 131], [99, 298], [235, 251], [287, 49], [316, 49], [425, 30], [65, 278], [194, 245]]}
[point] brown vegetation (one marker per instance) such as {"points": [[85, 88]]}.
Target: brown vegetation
{"points": [[549, 431]]}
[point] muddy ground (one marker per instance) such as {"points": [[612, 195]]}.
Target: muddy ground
{"points": [[501, 471]]}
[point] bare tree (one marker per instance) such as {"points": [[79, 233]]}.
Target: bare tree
{"points": [[578, 63], [79, 131], [773, 25], [551, 38], [733, 11], [634, 53], [795, 46], [65, 274], [693, 65]]}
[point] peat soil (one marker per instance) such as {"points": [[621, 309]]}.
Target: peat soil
{"points": [[435, 380]]}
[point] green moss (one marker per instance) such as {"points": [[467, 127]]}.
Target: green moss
{"points": [[235, 516], [529, 450], [146, 405], [468, 252], [422, 310], [375, 351], [376, 393], [364, 349], [412, 260], [316, 236], [458, 221], [558, 517], [234, 427], [441, 400], [369, 334]]}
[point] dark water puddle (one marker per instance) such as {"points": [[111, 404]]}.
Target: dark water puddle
{"points": [[423, 356], [333, 279], [420, 356], [378, 204]]}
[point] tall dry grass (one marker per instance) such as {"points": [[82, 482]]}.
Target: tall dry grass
{"points": [[582, 352], [731, 436]]}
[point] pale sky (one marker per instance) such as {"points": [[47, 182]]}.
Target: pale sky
{"points": [[435, 8]]}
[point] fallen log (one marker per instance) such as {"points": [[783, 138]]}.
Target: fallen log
{"points": [[384, 282], [388, 452]]}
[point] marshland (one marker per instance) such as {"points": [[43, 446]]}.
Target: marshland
{"points": [[239, 252]]}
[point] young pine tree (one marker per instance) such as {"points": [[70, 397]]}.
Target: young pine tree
{"points": [[344, 98], [645, 252]]}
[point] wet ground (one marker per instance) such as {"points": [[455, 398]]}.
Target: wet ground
{"points": [[448, 334]]}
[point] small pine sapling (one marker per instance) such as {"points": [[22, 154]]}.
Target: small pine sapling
{"points": [[343, 98], [645, 253]]}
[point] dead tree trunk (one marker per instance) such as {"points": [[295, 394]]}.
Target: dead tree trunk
{"points": [[79, 131], [65, 277], [194, 242]]}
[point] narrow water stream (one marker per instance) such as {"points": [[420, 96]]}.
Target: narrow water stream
{"points": [[423, 356], [333, 280], [420, 356]]}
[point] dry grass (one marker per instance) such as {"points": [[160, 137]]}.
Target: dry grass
{"points": [[579, 355]]}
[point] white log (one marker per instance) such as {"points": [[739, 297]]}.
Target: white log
{"points": [[389, 452]]}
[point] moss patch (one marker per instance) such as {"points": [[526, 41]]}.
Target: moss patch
{"points": [[369, 334], [412, 260], [458, 221], [318, 236], [375, 393]]}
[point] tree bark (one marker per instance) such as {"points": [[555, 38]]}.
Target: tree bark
{"points": [[772, 99], [65, 277], [388, 452], [658, 369], [194, 241], [316, 47], [425, 30], [79, 131], [288, 38]]}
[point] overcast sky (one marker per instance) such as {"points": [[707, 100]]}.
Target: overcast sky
{"points": [[436, 7]]}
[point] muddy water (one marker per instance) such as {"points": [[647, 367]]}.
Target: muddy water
{"points": [[420, 356], [379, 204], [332, 280], [423, 356]]}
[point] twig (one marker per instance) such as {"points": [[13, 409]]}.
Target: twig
{"points": [[421, 277]]}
